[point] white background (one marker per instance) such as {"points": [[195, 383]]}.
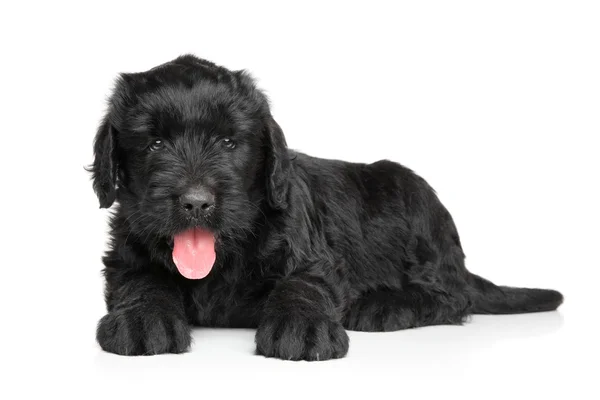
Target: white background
{"points": [[496, 104]]}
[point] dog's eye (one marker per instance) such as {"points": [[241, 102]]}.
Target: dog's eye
{"points": [[228, 143], [156, 145]]}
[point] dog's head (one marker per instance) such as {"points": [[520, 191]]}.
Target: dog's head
{"points": [[190, 145]]}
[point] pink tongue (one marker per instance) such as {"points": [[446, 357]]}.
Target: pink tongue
{"points": [[194, 253]]}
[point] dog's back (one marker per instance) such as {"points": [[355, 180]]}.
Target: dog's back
{"points": [[386, 226]]}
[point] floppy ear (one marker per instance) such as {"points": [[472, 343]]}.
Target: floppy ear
{"points": [[104, 167], [277, 165]]}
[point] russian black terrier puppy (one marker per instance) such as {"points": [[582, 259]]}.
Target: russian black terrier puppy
{"points": [[219, 224]]}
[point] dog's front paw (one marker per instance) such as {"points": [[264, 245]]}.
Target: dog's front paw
{"points": [[143, 331], [301, 338]]}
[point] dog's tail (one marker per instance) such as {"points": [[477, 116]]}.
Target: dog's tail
{"points": [[492, 299]]}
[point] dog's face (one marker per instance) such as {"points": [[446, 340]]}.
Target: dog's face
{"points": [[188, 145]]}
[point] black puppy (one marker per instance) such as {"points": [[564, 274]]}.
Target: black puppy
{"points": [[219, 224]]}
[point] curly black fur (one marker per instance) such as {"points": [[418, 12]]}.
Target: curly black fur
{"points": [[306, 247]]}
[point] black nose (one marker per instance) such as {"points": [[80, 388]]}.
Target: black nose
{"points": [[197, 201]]}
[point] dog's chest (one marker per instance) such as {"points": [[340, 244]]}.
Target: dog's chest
{"points": [[226, 301]]}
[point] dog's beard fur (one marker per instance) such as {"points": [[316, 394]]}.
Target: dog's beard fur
{"points": [[304, 247]]}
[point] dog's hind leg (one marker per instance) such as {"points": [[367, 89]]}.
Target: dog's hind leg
{"points": [[393, 309]]}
